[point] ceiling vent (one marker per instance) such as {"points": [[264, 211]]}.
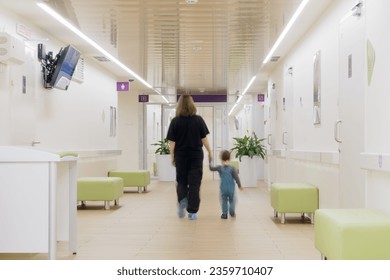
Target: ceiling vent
{"points": [[191, 2], [101, 58], [274, 58]]}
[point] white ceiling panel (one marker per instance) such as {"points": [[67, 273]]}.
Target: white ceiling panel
{"points": [[211, 46]]}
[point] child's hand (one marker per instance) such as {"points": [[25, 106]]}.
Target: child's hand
{"points": [[241, 189]]}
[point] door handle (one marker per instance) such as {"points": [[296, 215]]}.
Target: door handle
{"points": [[284, 138], [336, 132], [269, 139], [34, 142]]}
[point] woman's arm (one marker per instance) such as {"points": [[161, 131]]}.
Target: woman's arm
{"points": [[206, 143], [214, 168], [172, 151]]}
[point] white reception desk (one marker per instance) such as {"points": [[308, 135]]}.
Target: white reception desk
{"points": [[38, 200]]}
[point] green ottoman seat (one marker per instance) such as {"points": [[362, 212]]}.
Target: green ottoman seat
{"points": [[352, 234], [99, 189], [133, 178], [294, 198]]}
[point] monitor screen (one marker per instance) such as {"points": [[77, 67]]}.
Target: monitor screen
{"points": [[64, 68]]}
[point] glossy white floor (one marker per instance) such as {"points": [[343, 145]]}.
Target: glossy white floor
{"points": [[146, 227]]}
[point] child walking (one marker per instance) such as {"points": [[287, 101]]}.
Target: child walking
{"points": [[229, 176]]}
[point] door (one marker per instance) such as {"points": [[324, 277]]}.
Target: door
{"points": [[269, 107], [287, 103], [271, 132], [157, 118], [208, 115], [284, 134], [17, 92], [152, 132], [350, 129], [220, 133], [216, 120]]}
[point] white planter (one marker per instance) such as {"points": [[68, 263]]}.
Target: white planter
{"points": [[248, 171], [259, 168], [165, 170]]}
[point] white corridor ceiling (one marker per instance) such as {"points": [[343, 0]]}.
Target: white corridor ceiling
{"points": [[213, 46]]}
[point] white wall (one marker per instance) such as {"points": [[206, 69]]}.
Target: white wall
{"points": [[77, 119], [377, 106], [312, 153], [130, 127], [313, 158], [80, 116], [250, 118], [322, 37], [378, 98]]}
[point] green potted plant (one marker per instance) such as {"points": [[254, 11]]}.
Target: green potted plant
{"points": [[249, 146], [165, 170], [163, 147], [249, 150]]}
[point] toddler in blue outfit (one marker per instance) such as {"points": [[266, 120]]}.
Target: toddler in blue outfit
{"points": [[229, 176]]}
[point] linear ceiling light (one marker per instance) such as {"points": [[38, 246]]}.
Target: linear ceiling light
{"points": [[286, 30], [249, 85], [75, 30], [275, 46], [234, 107], [166, 100], [242, 95]]}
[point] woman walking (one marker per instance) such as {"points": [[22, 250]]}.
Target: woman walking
{"points": [[187, 134]]}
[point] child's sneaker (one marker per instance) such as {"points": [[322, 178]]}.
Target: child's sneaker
{"points": [[192, 216], [224, 216], [232, 214]]}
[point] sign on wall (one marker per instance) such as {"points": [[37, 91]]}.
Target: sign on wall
{"points": [[261, 97], [143, 98], [122, 86]]}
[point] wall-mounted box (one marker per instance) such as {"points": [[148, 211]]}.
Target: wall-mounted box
{"points": [[12, 50]]}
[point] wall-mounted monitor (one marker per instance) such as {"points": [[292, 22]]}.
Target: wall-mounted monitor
{"points": [[64, 68]]}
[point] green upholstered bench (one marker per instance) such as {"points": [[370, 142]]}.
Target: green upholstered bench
{"points": [[294, 198], [133, 178], [352, 234], [99, 189]]}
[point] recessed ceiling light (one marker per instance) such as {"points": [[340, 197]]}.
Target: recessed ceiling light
{"points": [[191, 1]]}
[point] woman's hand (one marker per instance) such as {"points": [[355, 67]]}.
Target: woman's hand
{"points": [[173, 161]]}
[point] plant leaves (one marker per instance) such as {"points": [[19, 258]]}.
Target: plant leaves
{"points": [[249, 146]]}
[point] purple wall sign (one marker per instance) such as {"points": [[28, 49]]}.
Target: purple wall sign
{"points": [[208, 97], [122, 86], [143, 98], [261, 97]]}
